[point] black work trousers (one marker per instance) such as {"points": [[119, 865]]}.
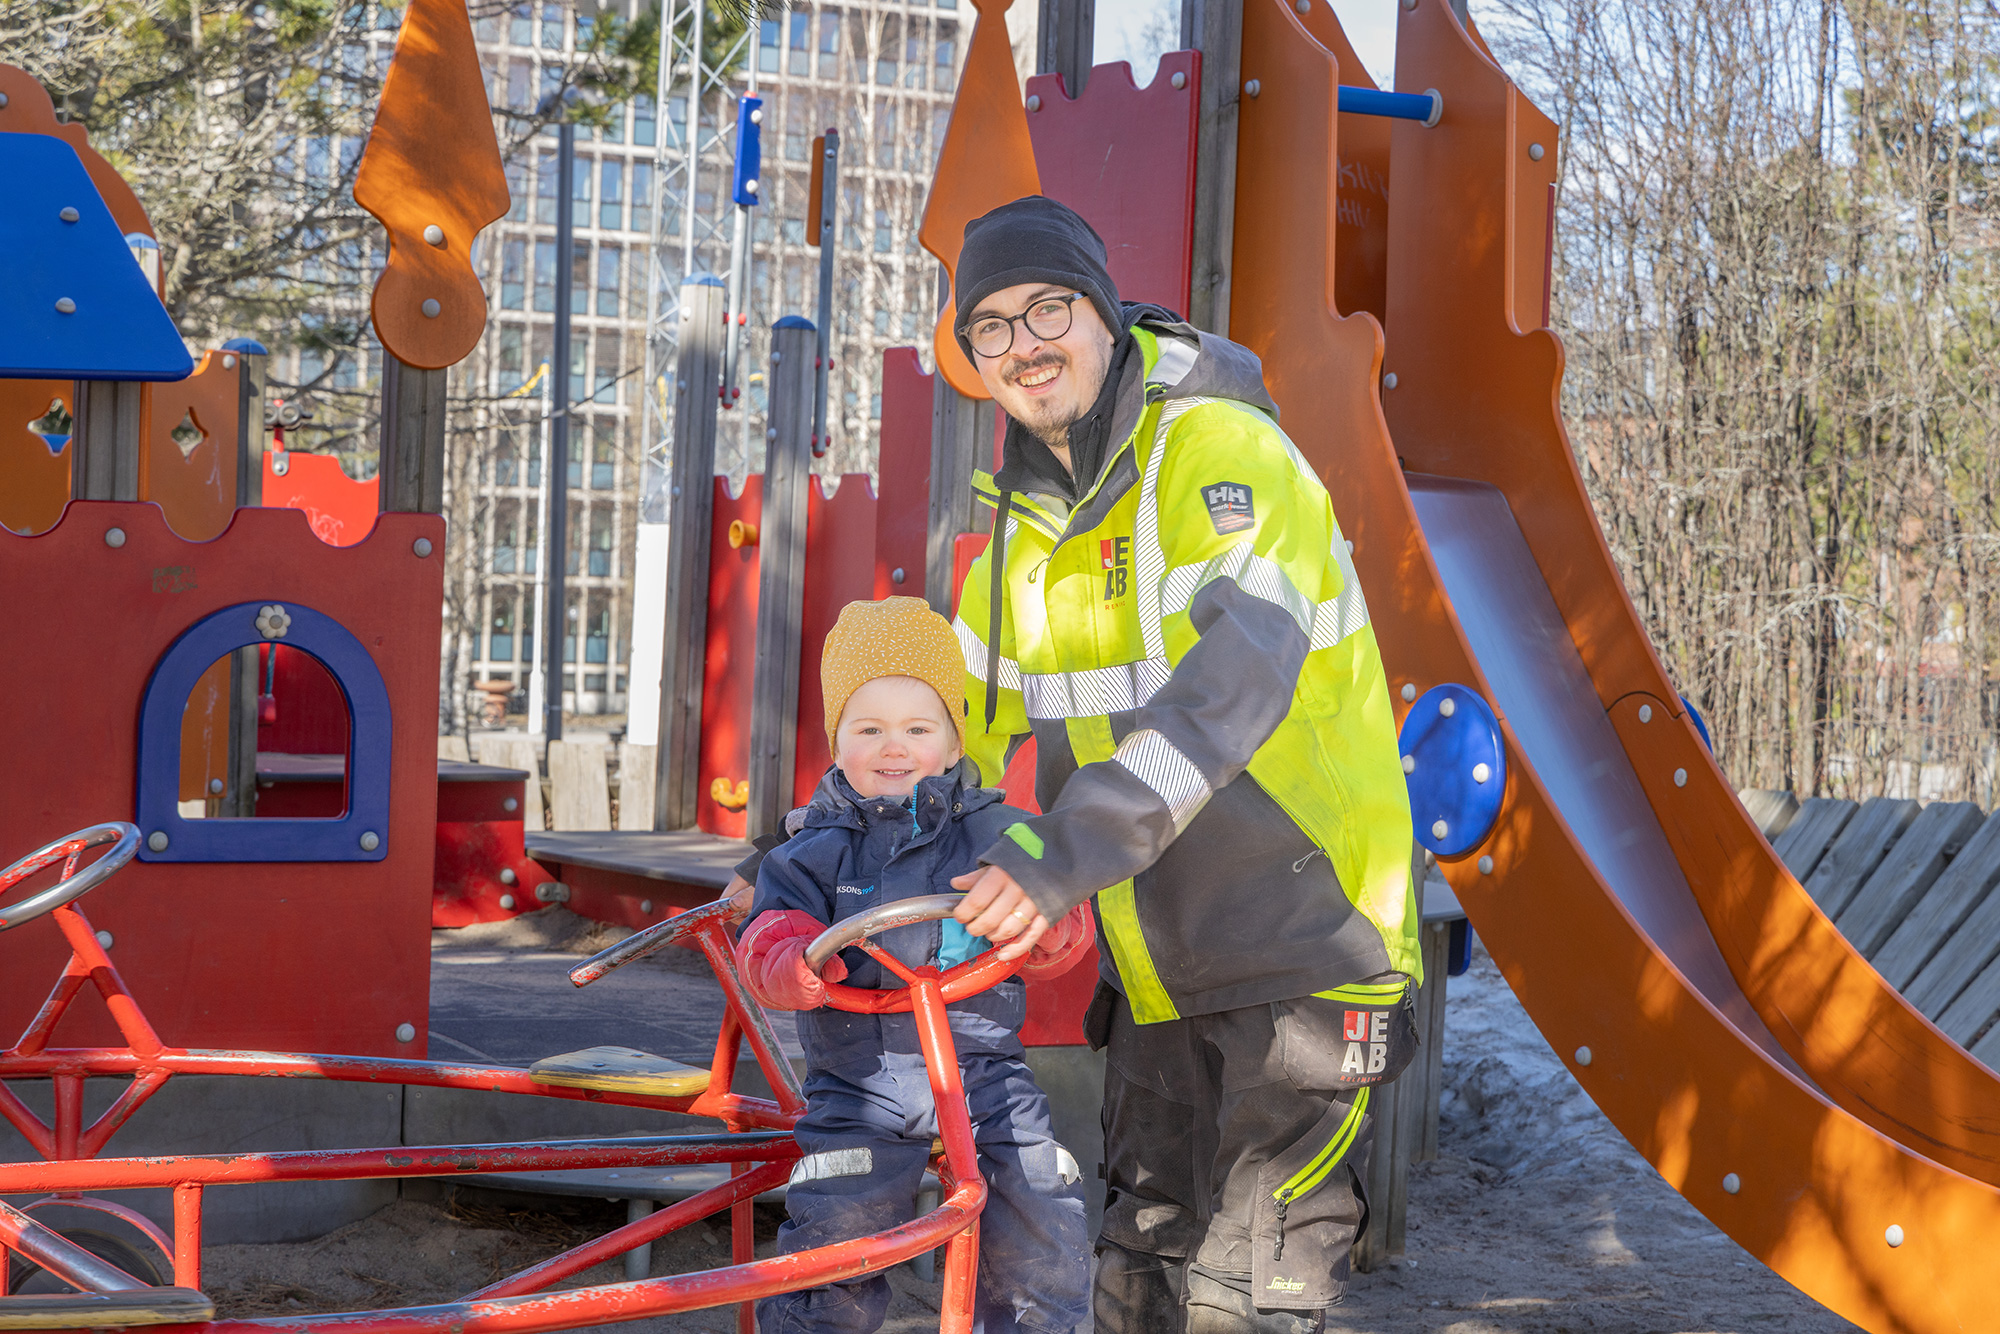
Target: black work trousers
{"points": [[1235, 1155]]}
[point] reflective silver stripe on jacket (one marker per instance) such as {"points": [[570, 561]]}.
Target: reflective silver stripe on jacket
{"points": [[1254, 574], [1095, 692], [1174, 778], [1341, 615], [973, 649], [833, 1163], [1324, 623], [1149, 561]]}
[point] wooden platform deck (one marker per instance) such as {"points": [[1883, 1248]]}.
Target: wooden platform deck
{"points": [[1912, 887]]}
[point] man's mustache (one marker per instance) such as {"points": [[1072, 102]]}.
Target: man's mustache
{"points": [[1013, 373]]}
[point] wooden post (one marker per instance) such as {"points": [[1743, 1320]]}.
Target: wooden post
{"points": [[781, 577], [413, 427], [1214, 28], [961, 440], [239, 795], [690, 507], [104, 452], [1063, 36], [1397, 1109]]}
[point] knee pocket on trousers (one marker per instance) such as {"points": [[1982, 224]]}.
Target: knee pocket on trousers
{"points": [[1307, 1211]]}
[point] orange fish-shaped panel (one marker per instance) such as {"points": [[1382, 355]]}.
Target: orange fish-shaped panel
{"points": [[987, 160], [431, 175]]}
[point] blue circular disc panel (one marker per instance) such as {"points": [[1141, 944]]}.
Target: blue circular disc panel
{"points": [[1456, 769]]}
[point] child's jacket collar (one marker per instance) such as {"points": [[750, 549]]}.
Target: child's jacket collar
{"points": [[836, 805]]}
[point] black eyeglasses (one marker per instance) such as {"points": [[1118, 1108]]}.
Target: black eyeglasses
{"points": [[1049, 318]]}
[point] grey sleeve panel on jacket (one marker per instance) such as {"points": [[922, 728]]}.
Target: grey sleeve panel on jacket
{"points": [[1225, 698]]}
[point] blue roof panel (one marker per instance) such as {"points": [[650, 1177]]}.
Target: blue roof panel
{"points": [[75, 306]]}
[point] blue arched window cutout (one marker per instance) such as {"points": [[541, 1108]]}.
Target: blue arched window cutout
{"points": [[346, 839]]}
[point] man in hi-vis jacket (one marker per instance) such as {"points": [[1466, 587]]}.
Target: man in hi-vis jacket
{"points": [[1169, 609]]}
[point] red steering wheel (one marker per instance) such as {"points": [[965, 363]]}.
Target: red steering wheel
{"points": [[956, 983]]}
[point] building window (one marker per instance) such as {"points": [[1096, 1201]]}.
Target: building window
{"points": [[513, 275], [913, 54], [610, 194], [505, 519], [829, 44], [600, 539], [510, 357], [798, 144], [885, 135], [642, 197], [506, 459], [597, 629], [609, 258], [521, 25], [767, 46], [885, 55], [579, 193], [520, 84], [552, 27], [545, 187], [500, 635], [643, 132], [882, 231], [579, 281], [517, 191], [801, 61], [576, 358], [606, 387], [545, 275], [947, 67]]}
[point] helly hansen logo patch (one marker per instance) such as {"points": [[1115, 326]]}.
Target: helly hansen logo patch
{"points": [[1230, 507], [1367, 1029]]}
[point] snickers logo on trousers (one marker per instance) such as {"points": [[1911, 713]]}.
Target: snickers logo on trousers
{"points": [[1230, 507]]}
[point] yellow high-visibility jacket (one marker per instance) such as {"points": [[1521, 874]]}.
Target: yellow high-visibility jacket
{"points": [[1216, 754]]}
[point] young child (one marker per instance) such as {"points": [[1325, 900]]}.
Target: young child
{"points": [[896, 817]]}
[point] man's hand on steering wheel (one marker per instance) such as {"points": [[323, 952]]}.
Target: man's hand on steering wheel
{"points": [[997, 908]]}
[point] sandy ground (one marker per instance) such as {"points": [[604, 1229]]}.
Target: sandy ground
{"points": [[1537, 1219]]}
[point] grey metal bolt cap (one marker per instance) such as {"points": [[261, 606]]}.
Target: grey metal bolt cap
{"points": [[114, 537], [406, 1032], [157, 840], [370, 841]]}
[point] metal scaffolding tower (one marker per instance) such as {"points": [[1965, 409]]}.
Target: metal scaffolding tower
{"points": [[695, 147]]}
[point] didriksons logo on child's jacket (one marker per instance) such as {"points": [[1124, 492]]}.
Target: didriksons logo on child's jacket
{"points": [[1365, 1029]]}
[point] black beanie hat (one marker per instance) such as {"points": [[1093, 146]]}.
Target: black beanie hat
{"points": [[1032, 240]]}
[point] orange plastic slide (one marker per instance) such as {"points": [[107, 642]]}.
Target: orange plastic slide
{"points": [[1700, 997]]}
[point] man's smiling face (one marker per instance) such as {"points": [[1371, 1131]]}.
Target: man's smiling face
{"points": [[1045, 383]]}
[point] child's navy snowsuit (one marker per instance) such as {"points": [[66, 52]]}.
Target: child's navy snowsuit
{"points": [[869, 1120]]}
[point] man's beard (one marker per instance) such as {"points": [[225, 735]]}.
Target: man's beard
{"points": [[1053, 433]]}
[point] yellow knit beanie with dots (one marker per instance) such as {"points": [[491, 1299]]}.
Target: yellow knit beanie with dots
{"points": [[893, 637]]}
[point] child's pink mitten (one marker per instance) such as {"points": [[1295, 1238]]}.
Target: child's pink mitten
{"points": [[772, 956], [1056, 952]]}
